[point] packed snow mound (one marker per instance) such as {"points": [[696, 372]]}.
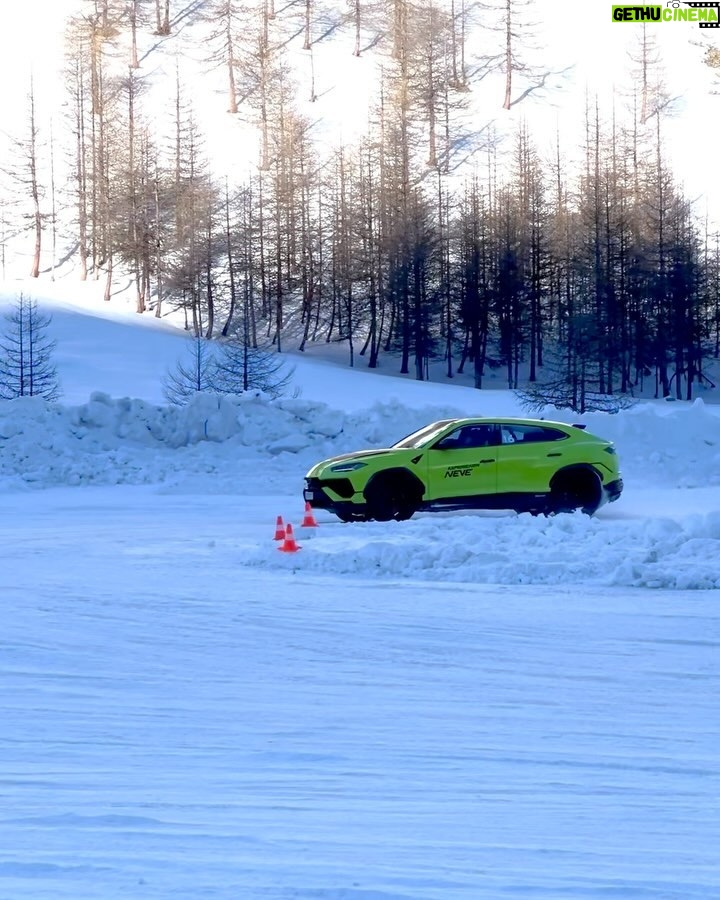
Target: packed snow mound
{"points": [[127, 441], [484, 549]]}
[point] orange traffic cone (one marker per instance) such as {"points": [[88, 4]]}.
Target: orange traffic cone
{"points": [[289, 545], [309, 520], [279, 530]]}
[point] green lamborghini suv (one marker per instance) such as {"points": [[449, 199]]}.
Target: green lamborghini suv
{"points": [[528, 465]]}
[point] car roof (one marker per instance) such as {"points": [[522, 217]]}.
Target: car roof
{"points": [[508, 420]]}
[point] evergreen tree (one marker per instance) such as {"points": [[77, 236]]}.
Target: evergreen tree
{"points": [[240, 367], [23, 167], [26, 366], [195, 371]]}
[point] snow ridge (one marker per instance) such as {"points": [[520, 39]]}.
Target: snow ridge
{"points": [[131, 441]]}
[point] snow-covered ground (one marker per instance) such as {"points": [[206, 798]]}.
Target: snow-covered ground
{"points": [[460, 706]]}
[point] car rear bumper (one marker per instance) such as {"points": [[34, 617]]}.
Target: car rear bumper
{"points": [[613, 489]]}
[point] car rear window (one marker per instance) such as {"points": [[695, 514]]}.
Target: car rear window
{"points": [[530, 434]]}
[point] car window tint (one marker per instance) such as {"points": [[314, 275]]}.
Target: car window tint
{"points": [[468, 437], [423, 436], [530, 434]]}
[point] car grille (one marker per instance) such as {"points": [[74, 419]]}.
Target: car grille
{"points": [[341, 486]]}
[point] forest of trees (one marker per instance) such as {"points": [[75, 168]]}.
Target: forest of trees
{"points": [[595, 279]]}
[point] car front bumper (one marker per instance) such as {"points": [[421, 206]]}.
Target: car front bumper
{"points": [[335, 494]]}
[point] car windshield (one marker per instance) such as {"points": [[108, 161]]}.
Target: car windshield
{"points": [[423, 436]]}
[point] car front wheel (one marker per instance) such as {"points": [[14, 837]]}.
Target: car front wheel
{"points": [[389, 499], [351, 517]]}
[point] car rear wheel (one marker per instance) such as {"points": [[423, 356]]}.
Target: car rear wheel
{"points": [[575, 489]]}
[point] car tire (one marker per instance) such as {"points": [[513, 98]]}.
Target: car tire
{"points": [[391, 499], [351, 517], [574, 489]]}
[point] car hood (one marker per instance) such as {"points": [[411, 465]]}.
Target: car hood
{"points": [[334, 460], [361, 454]]}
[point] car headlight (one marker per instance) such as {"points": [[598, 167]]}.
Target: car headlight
{"points": [[348, 467], [611, 450]]}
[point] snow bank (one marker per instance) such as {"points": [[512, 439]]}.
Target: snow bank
{"points": [[513, 550], [124, 441]]}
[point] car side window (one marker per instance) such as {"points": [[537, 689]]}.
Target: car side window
{"points": [[530, 434], [468, 437]]}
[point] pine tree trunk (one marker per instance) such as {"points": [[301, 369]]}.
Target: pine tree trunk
{"points": [[308, 12], [230, 262], [108, 280], [508, 55], [34, 188], [134, 64], [356, 51], [232, 91]]}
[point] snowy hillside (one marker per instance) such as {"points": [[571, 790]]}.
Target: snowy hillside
{"points": [[360, 173]]}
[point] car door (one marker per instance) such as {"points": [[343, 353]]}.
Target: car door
{"points": [[528, 457], [463, 463]]}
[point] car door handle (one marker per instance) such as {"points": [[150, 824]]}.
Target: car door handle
{"points": [[486, 461], [554, 454]]}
